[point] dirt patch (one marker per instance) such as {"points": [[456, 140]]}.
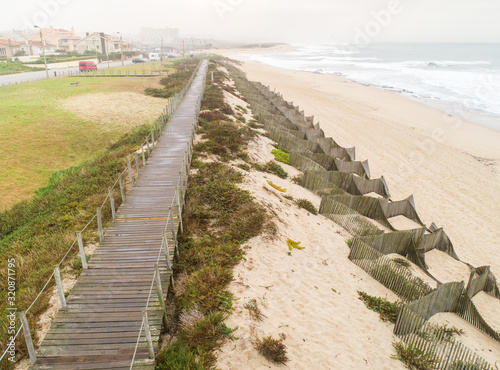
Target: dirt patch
{"points": [[123, 108]]}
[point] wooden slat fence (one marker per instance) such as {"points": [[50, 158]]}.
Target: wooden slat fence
{"points": [[449, 353]]}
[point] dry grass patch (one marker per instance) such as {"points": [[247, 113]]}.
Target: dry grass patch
{"points": [[127, 109], [272, 349]]}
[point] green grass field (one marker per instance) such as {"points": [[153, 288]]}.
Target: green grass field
{"points": [[38, 137], [9, 67]]}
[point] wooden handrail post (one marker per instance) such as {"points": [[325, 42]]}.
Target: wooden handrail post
{"points": [[172, 224], [60, 291], [159, 290], [137, 163], [153, 139], [27, 336], [148, 334], [179, 209], [147, 146], [122, 188], [174, 236], [131, 179], [167, 252], [143, 156], [99, 224], [82, 250], [112, 202]]}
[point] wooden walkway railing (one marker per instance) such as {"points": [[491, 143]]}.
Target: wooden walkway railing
{"points": [[113, 315]]}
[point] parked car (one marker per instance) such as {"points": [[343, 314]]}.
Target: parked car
{"points": [[85, 66], [138, 60]]}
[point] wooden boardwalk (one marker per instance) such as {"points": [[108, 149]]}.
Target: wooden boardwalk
{"points": [[100, 326]]}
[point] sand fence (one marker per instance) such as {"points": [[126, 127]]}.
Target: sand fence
{"points": [[332, 172]]}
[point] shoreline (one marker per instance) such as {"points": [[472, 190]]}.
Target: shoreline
{"points": [[458, 111], [450, 165]]}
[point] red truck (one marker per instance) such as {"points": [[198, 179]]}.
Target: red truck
{"points": [[87, 66]]}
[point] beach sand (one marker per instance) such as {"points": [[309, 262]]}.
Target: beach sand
{"points": [[451, 166], [311, 295]]}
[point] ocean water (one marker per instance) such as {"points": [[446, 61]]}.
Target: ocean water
{"points": [[461, 79]]}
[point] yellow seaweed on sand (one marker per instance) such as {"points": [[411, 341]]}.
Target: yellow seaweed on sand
{"points": [[294, 244], [276, 186]]}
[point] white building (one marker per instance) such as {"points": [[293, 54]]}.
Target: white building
{"points": [[101, 43]]}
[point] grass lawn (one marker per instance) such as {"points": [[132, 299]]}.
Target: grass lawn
{"points": [[9, 67], [144, 68], [38, 137]]}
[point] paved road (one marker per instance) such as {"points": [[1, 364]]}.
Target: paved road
{"points": [[40, 75]]}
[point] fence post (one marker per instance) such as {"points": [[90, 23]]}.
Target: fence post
{"points": [[137, 163], [143, 156], [82, 250], [148, 334], [27, 336], [131, 179], [159, 290], [99, 224], [147, 146], [112, 202], [60, 291], [153, 139], [122, 189], [471, 279], [179, 208], [167, 253], [173, 232]]}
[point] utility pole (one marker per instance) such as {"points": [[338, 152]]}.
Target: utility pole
{"points": [[43, 50], [161, 39]]}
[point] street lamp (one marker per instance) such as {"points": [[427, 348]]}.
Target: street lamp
{"points": [[43, 50]]}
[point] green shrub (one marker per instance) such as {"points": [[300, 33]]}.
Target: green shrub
{"points": [[178, 356], [297, 179], [281, 156], [175, 82], [271, 167], [414, 358], [307, 205], [243, 166], [388, 311]]}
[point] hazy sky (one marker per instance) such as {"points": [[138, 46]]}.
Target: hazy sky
{"points": [[271, 20]]}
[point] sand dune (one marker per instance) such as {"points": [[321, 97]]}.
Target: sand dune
{"points": [[311, 295], [418, 149]]}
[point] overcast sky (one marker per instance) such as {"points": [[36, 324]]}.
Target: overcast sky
{"points": [[271, 20]]}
